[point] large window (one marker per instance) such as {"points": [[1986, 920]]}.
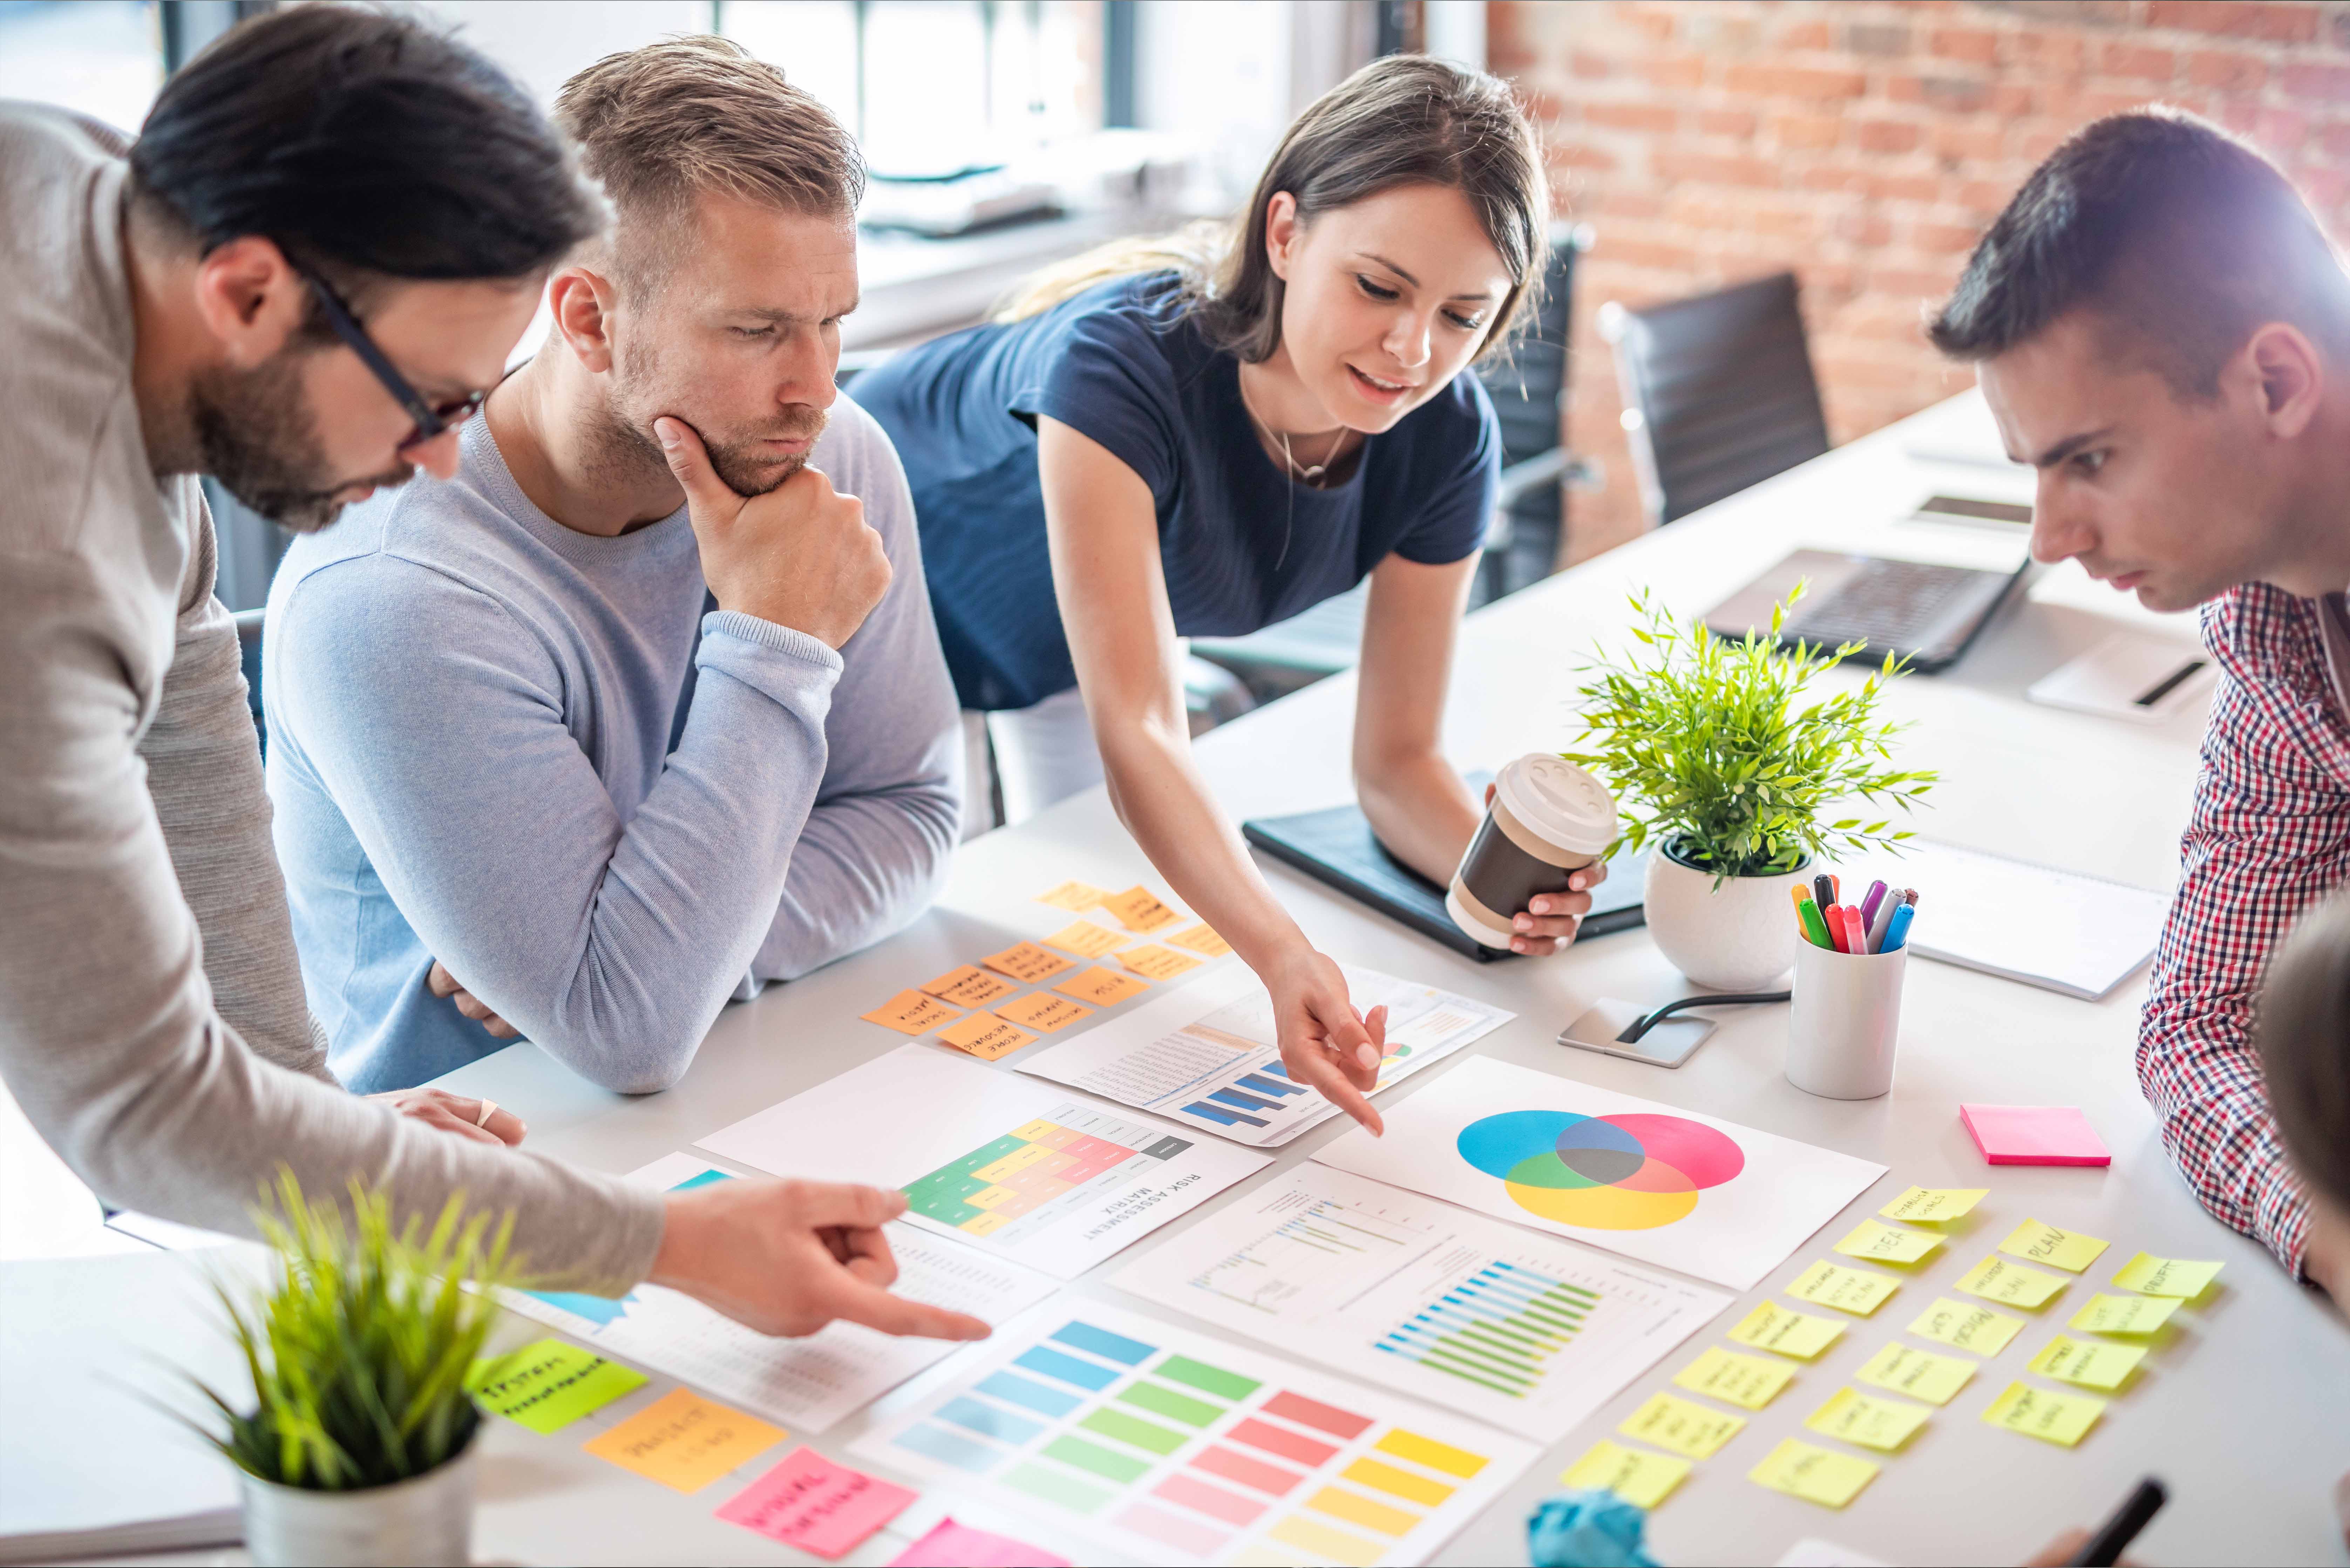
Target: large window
{"points": [[103, 57], [931, 86]]}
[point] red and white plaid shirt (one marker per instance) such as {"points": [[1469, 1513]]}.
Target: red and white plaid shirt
{"points": [[2270, 836]]}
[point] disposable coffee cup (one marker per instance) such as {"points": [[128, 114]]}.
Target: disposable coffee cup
{"points": [[1548, 820]]}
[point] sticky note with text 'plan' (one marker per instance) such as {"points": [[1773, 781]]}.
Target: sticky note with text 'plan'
{"points": [[2035, 1135]]}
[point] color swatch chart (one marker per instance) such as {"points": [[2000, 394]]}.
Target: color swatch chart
{"points": [[1178, 1447], [1030, 1178], [1529, 1333]]}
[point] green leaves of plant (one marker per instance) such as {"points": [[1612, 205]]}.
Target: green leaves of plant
{"points": [[359, 1353], [1711, 745]]}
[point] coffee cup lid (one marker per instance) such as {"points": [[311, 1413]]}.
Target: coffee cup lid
{"points": [[1560, 801]]}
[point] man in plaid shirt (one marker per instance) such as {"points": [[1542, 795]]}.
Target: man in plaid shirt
{"points": [[2163, 330]]}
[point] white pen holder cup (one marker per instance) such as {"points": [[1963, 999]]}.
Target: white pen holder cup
{"points": [[1841, 1030]]}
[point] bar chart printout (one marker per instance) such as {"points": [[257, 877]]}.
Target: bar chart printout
{"points": [[1176, 1447], [1525, 1331]]}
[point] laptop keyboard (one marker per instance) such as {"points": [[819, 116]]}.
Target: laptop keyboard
{"points": [[1888, 604]]}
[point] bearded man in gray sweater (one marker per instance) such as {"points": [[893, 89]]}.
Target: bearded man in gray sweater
{"points": [[303, 278]]}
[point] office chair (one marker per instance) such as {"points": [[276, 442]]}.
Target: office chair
{"points": [[248, 640], [1529, 389], [1719, 392]]}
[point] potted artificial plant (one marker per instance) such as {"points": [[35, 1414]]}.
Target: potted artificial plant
{"points": [[359, 1447], [1721, 754]]}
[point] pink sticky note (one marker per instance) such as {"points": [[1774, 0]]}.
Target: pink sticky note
{"points": [[953, 1545], [2035, 1135], [808, 1501]]}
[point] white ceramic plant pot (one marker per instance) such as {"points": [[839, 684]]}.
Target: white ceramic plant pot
{"points": [[412, 1524], [1738, 937]]}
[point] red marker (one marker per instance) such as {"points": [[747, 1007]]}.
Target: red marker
{"points": [[1834, 913], [1856, 933]]}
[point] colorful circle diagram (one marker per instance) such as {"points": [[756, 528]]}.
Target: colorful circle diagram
{"points": [[1631, 1172]]}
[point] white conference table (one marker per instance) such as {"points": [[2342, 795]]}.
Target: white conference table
{"points": [[2239, 1409]]}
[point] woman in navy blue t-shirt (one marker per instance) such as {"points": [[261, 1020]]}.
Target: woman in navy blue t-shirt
{"points": [[1163, 440]]}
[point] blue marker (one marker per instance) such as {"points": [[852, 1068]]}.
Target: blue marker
{"points": [[1897, 932]]}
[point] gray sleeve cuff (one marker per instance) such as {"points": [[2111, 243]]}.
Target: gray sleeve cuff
{"points": [[767, 634]]}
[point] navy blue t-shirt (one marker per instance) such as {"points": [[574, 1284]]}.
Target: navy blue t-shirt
{"points": [[1242, 544]]}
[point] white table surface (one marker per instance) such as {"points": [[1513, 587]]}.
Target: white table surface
{"points": [[2241, 1406]]}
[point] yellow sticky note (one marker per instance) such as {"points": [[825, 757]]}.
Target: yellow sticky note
{"points": [[1683, 1427], [1744, 1380], [910, 1013], [2125, 1314], [2043, 1244], [2178, 1277], [1201, 939], [1102, 987], [1152, 961], [1084, 938], [1997, 1280], [1934, 1205], [970, 986], [1865, 1420], [1640, 1478], [684, 1441], [1977, 1329], [1043, 1013], [549, 1385], [1920, 1374], [1883, 1243], [1856, 1290], [986, 1036], [1787, 1332], [1812, 1473], [2089, 1363], [1138, 909], [1074, 897], [2060, 1418], [1027, 963]]}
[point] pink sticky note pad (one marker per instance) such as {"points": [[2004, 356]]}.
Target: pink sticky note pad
{"points": [[2035, 1135], [808, 1501], [953, 1545]]}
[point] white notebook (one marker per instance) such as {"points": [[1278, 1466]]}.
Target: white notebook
{"points": [[2060, 930]]}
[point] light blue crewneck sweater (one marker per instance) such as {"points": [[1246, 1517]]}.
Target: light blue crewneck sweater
{"points": [[530, 753]]}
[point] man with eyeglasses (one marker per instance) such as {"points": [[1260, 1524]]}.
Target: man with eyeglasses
{"points": [[329, 205]]}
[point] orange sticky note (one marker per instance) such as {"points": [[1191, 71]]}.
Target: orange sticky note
{"points": [[1074, 897], [1202, 939], [1154, 962], [684, 1441], [986, 1036], [910, 1013], [970, 986], [1027, 963], [1102, 987], [1138, 909], [1084, 938], [1043, 1013]]}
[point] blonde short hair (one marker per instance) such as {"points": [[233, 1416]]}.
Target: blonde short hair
{"points": [[659, 126]]}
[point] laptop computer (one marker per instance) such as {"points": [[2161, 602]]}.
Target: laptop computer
{"points": [[1337, 847], [1927, 613]]}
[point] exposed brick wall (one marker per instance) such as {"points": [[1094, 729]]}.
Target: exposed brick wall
{"points": [[1865, 143]]}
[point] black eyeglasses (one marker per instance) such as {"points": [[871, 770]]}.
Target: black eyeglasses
{"points": [[431, 418]]}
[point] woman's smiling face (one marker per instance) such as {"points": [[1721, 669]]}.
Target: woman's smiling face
{"points": [[1385, 299]]}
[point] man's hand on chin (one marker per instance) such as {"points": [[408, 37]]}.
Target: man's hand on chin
{"points": [[480, 1120]]}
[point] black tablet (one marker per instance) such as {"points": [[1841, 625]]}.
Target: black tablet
{"points": [[1337, 847]]}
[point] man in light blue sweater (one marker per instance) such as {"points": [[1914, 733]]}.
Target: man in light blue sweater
{"points": [[523, 783]]}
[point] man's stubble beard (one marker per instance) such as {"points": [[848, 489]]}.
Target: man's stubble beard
{"points": [[256, 435], [625, 448]]}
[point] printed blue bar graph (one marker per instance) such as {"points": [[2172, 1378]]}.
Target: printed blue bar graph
{"points": [[1245, 1102], [1268, 1086], [1223, 1117], [1496, 1328], [1275, 1068]]}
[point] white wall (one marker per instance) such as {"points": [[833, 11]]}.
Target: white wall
{"points": [[543, 45]]}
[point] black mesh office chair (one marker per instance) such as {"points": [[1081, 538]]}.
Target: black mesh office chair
{"points": [[1719, 392], [1529, 391]]}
